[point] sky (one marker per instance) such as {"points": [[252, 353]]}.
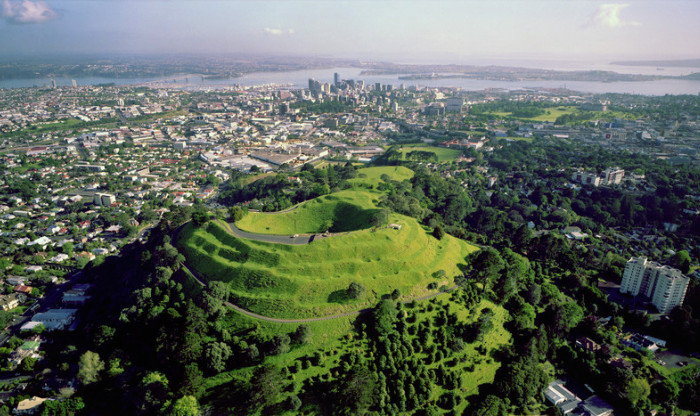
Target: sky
{"points": [[419, 31]]}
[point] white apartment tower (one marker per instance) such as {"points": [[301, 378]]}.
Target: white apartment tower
{"points": [[613, 176], [664, 285]]}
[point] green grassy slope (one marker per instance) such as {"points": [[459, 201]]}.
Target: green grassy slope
{"points": [[443, 154], [343, 211], [372, 176], [310, 280]]}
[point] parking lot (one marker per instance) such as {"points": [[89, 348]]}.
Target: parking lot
{"points": [[674, 361]]}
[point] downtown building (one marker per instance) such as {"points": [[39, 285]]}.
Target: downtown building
{"points": [[663, 285]]}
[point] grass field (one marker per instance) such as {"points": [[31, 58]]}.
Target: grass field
{"points": [[372, 176], [311, 280], [517, 138], [443, 155], [341, 211], [551, 114]]}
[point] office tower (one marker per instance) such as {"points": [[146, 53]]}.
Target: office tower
{"points": [[336, 79], [75, 84], [314, 86]]}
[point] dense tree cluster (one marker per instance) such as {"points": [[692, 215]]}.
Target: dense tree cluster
{"points": [[278, 192]]}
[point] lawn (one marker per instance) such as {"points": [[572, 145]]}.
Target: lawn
{"points": [[550, 114], [372, 176], [517, 138], [311, 280], [443, 154], [339, 212]]}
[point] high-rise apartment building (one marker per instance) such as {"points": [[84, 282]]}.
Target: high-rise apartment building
{"points": [[613, 176], [663, 285]]}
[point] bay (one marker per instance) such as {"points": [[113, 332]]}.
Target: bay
{"points": [[299, 79]]}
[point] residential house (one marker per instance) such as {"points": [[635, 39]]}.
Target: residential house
{"points": [[561, 397], [640, 343], [587, 344], [29, 406], [52, 319], [9, 302], [27, 290], [595, 406]]}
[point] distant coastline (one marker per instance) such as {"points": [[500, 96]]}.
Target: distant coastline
{"points": [[675, 63]]}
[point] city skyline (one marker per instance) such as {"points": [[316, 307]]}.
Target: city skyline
{"points": [[403, 31]]}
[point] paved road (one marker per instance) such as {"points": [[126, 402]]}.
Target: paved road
{"points": [[303, 320], [301, 239]]}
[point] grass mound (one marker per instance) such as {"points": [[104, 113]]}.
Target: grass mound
{"points": [[373, 176], [443, 154], [311, 280], [339, 212]]}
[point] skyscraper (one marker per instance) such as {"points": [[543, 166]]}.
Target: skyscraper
{"points": [[75, 84], [336, 79], [664, 285], [314, 86]]}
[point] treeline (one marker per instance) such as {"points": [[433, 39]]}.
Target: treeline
{"points": [[278, 192]]}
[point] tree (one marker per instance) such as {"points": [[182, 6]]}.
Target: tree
{"points": [[293, 402], [152, 393], [534, 294], [487, 264], [438, 232], [216, 354], [665, 391], [355, 290], [384, 317], [67, 248], [186, 406], [357, 391], [27, 364], [637, 391], [103, 335], [303, 334], [200, 217], [279, 344], [62, 407], [236, 213], [326, 225], [492, 406], [681, 261], [192, 381], [89, 367], [265, 385], [520, 381]]}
